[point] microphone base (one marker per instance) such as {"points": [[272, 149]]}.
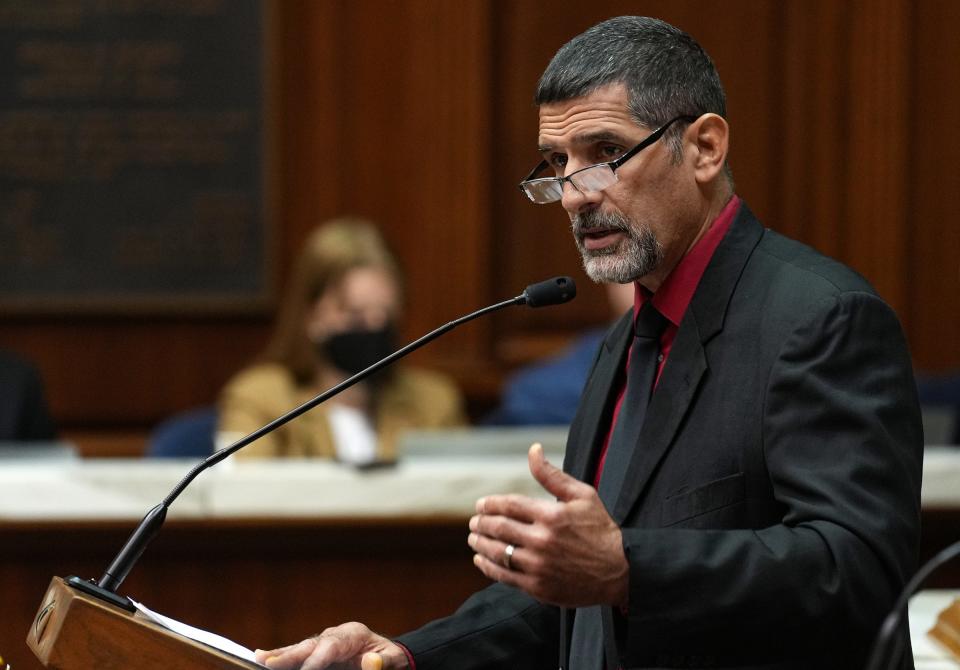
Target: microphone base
{"points": [[90, 588]]}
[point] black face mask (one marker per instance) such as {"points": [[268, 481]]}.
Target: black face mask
{"points": [[356, 350]]}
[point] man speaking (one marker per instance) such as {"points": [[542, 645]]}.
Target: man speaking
{"points": [[741, 487]]}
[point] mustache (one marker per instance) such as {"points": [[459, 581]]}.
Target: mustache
{"points": [[587, 222]]}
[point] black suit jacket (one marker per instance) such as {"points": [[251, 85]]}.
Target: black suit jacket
{"points": [[24, 415], [771, 511]]}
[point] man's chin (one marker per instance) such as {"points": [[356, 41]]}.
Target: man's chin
{"points": [[606, 273]]}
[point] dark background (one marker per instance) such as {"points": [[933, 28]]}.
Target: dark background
{"points": [[131, 142]]}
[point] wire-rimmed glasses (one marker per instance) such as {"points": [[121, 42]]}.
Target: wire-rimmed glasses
{"points": [[590, 179]]}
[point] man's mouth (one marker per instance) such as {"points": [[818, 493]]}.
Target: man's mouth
{"points": [[600, 238]]}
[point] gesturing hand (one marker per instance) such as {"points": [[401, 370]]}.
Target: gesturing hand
{"points": [[567, 552], [350, 645]]}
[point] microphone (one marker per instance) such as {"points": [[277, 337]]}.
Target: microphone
{"points": [[554, 291]]}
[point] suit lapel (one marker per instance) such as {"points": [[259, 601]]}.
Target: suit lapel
{"points": [[685, 369], [590, 426]]}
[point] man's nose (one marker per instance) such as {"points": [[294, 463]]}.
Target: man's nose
{"points": [[575, 201]]}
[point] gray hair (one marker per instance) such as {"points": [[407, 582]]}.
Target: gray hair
{"points": [[666, 72]]}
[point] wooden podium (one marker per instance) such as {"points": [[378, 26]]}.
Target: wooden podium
{"points": [[76, 631], [946, 630]]}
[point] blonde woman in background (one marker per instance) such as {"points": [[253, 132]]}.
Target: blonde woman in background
{"points": [[338, 317]]}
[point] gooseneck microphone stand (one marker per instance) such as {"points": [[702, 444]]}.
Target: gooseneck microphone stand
{"points": [[553, 291]]}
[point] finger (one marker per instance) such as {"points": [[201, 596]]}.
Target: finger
{"points": [[495, 551], [328, 649], [555, 480], [263, 654], [288, 658], [513, 505], [371, 661], [503, 528], [498, 573]]}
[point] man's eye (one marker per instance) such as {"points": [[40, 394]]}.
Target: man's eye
{"points": [[557, 161], [610, 151]]}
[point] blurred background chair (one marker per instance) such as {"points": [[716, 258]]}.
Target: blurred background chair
{"points": [[24, 413], [547, 392], [189, 434], [940, 402]]}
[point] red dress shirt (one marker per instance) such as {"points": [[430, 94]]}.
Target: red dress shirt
{"points": [[671, 300]]}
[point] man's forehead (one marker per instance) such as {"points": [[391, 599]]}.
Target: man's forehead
{"points": [[601, 114]]}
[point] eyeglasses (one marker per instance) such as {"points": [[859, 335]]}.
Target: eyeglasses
{"points": [[590, 179]]}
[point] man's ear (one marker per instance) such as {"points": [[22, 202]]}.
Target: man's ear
{"points": [[710, 135]]}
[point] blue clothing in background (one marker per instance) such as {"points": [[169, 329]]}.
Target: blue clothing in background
{"points": [[189, 434], [547, 393]]}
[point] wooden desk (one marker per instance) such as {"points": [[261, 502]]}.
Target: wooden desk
{"points": [[261, 582], [924, 609]]}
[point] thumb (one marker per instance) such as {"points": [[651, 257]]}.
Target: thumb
{"points": [[371, 661], [553, 479]]}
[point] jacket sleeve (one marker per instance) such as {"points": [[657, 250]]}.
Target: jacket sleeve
{"points": [[498, 627], [843, 447]]}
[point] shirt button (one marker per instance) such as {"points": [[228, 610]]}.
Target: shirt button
{"points": [[660, 358]]}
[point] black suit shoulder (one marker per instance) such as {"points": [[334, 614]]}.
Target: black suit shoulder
{"points": [[818, 274]]}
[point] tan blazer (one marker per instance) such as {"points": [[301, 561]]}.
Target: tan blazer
{"points": [[413, 399]]}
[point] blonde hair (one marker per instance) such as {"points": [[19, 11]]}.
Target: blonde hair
{"points": [[331, 251]]}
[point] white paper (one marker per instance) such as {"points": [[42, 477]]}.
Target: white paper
{"points": [[199, 635]]}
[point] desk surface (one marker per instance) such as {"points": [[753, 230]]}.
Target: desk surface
{"points": [[417, 486], [941, 477], [118, 490]]}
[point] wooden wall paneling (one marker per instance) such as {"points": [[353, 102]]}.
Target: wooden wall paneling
{"points": [[307, 100], [420, 116], [123, 373], [450, 142], [745, 42], [810, 133], [405, 89], [531, 242], [879, 117], [932, 246]]}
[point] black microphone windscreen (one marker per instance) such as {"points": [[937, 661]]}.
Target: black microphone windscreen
{"points": [[554, 291]]}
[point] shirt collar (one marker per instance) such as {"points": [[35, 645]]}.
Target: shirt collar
{"points": [[676, 291]]}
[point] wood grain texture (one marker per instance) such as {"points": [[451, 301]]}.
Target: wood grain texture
{"points": [[932, 251], [270, 581], [420, 115], [74, 631], [946, 630], [260, 582]]}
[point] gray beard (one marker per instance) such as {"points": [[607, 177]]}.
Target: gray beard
{"points": [[637, 255]]}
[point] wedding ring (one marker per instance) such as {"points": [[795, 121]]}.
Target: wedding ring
{"points": [[508, 556]]}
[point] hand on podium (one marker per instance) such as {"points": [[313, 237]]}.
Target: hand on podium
{"points": [[338, 647]]}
